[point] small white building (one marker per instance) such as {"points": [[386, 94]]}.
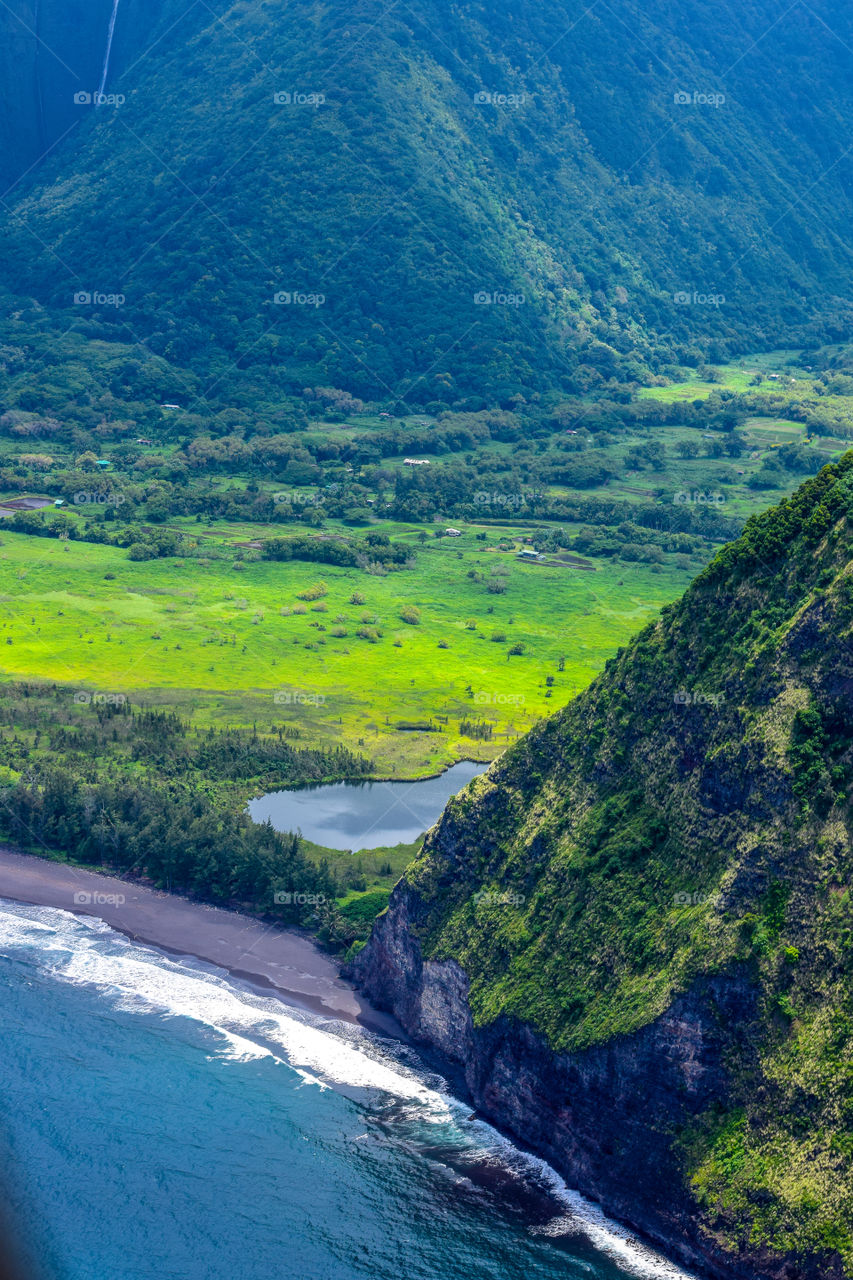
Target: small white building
{"points": [[453, 533]]}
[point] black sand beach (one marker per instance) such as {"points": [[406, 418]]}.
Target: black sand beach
{"points": [[267, 955]]}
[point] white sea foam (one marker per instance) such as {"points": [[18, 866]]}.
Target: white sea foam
{"points": [[139, 979], [615, 1241], [577, 1215]]}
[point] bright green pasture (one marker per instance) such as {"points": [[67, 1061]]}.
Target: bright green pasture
{"points": [[779, 378], [237, 646], [777, 374]]}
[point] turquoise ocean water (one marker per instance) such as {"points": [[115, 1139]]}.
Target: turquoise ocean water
{"points": [[158, 1119]]}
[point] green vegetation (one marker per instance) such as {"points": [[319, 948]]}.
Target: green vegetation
{"points": [[324, 607], [366, 380], [230, 648], [103, 784], [97, 781], [689, 816], [306, 587], [244, 577], [451, 208]]}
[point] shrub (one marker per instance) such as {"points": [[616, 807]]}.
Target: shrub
{"points": [[141, 551], [367, 907], [411, 615]]}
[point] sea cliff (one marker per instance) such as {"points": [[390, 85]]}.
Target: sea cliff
{"points": [[634, 933]]}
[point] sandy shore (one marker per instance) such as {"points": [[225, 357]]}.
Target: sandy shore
{"points": [[268, 956]]}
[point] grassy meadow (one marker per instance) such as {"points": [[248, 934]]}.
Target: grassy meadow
{"points": [[232, 642], [452, 656]]}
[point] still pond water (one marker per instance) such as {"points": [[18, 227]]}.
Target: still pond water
{"points": [[364, 815]]}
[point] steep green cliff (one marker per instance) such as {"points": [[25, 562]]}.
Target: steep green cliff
{"points": [[52, 56], [667, 862]]}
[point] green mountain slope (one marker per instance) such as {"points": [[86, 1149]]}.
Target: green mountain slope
{"points": [[667, 862], [404, 164]]}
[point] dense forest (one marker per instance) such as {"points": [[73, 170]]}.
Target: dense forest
{"points": [[352, 205], [143, 793]]}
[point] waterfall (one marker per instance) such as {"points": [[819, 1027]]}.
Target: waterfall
{"points": [[109, 49]]}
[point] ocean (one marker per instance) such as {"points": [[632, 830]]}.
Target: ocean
{"points": [[159, 1119]]}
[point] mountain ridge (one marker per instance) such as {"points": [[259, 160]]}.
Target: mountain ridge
{"points": [[455, 154], [634, 932]]}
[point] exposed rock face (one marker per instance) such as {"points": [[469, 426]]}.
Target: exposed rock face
{"points": [[53, 50], [604, 1118], [49, 51], [634, 934]]}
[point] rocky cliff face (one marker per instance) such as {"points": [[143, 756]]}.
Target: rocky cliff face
{"points": [[51, 51], [604, 1118], [634, 933]]}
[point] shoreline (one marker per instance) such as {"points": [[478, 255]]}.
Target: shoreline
{"points": [[269, 958], [365, 781], [275, 960]]}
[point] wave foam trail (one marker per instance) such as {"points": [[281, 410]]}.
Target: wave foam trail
{"points": [[138, 979]]}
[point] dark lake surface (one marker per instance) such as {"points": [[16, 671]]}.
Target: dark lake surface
{"points": [[364, 815]]}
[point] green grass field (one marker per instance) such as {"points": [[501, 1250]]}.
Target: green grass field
{"points": [[780, 374], [239, 646], [221, 635], [774, 368]]}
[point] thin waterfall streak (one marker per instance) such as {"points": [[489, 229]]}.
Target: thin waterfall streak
{"points": [[110, 34]]}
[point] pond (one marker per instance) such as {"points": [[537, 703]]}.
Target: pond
{"points": [[364, 815]]}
